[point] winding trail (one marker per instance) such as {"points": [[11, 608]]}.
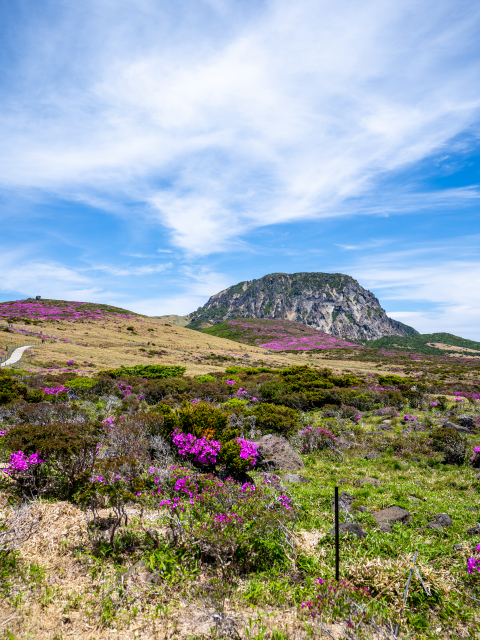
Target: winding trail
{"points": [[16, 355]]}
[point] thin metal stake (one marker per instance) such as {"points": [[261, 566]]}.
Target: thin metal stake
{"points": [[412, 567], [337, 538]]}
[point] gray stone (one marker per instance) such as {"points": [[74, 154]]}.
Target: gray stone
{"points": [[342, 443], [414, 499], [440, 520], [372, 455], [350, 527], [344, 498], [362, 509], [386, 427], [467, 421], [471, 509], [373, 481], [385, 527], [457, 427], [277, 454], [392, 514], [295, 478], [457, 547], [474, 531]]}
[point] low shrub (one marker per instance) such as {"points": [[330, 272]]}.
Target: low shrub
{"points": [[206, 378], [272, 418], [53, 459], [11, 389], [202, 420], [151, 371], [451, 443], [81, 384], [314, 438], [226, 522]]}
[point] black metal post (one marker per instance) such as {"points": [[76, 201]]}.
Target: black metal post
{"points": [[337, 538]]}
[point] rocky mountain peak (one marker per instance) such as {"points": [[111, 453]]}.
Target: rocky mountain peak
{"points": [[331, 302]]}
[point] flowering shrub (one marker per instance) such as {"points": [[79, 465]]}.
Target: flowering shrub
{"points": [[19, 461], [476, 457], [312, 438], [200, 450], [248, 452], [227, 522], [473, 567], [337, 600], [351, 413], [54, 458]]}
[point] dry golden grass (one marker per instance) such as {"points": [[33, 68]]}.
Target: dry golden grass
{"points": [[108, 344], [67, 602]]}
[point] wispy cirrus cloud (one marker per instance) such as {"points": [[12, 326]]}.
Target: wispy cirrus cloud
{"points": [[264, 113], [440, 278]]}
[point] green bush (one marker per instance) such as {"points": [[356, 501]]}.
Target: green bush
{"points": [[391, 380], [151, 371], [206, 378], [451, 443], [272, 418], [202, 420], [10, 390], [81, 384], [68, 451]]}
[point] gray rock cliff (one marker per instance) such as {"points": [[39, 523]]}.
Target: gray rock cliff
{"points": [[331, 302]]}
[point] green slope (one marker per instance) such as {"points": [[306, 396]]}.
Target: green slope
{"points": [[421, 343]]}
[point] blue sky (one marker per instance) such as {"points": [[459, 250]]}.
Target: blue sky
{"points": [[153, 153]]}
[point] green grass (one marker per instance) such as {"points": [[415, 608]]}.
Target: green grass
{"points": [[420, 343]]}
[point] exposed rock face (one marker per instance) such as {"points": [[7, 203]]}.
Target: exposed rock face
{"points": [[331, 302], [276, 454]]}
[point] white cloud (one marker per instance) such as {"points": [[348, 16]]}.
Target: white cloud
{"points": [[133, 271], [247, 115], [445, 288]]}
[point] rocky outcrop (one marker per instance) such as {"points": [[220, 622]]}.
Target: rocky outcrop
{"points": [[331, 302], [277, 454]]}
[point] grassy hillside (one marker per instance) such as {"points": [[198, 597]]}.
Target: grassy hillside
{"points": [[32, 309], [279, 335], [433, 343]]}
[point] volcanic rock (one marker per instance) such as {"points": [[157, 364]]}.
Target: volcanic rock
{"points": [[277, 454], [373, 481], [331, 302], [439, 521], [346, 499], [392, 514]]}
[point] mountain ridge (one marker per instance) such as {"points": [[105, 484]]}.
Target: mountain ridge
{"points": [[333, 303]]}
